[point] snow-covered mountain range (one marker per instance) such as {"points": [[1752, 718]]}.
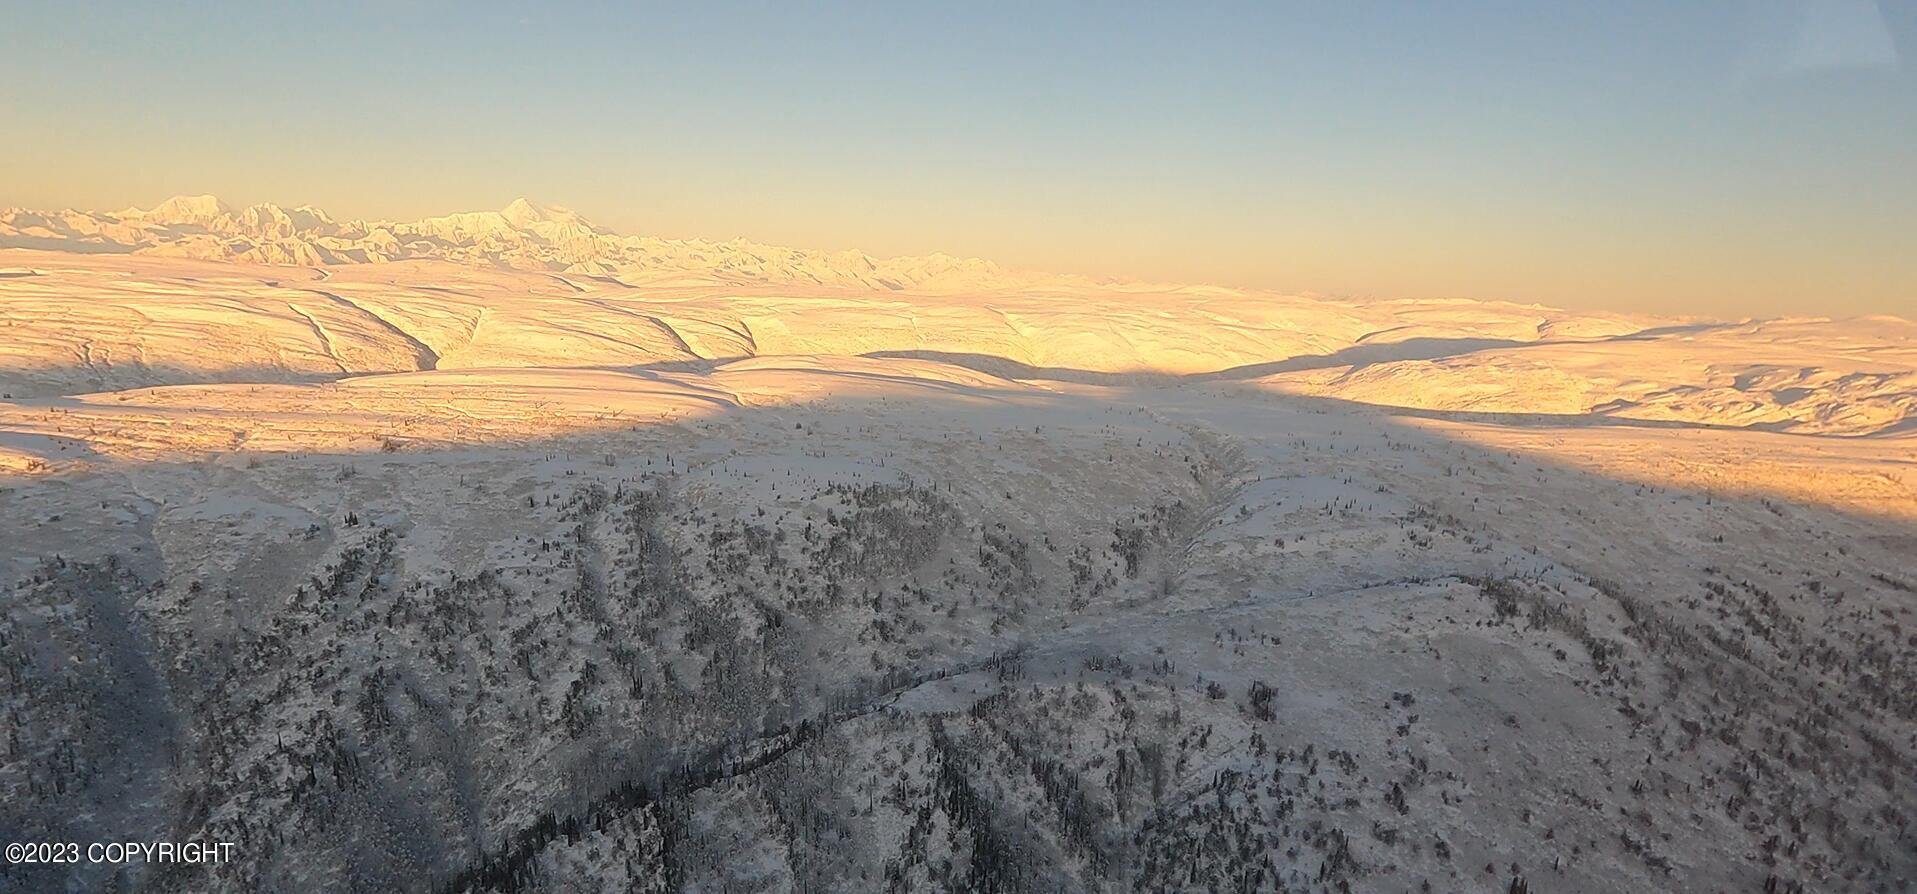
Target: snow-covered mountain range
{"points": [[521, 236]]}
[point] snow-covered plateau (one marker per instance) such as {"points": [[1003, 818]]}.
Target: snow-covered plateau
{"points": [[498, 552]]}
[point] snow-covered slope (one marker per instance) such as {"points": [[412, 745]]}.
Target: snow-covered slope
{"points": [[80, 323], [443, 576], [148, 321], [1843, 377]]}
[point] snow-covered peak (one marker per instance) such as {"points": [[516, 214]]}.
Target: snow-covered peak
{"points": [[524, 214], [200, 209]]}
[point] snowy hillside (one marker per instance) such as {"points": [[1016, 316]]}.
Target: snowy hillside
{"points": [[539, 558]]}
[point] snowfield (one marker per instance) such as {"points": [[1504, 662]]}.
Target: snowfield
{"points": [[498, 552]]}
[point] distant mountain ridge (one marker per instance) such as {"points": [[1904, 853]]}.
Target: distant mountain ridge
{"points": [[540, 287], [520, 236]]}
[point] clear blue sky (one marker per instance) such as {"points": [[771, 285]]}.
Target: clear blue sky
{"points": [[1728, 159]]}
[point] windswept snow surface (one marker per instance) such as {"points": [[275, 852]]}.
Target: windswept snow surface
{"points": [[496, 552]]}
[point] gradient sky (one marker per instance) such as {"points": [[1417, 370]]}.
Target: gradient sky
{"points": [[1731, 159]]}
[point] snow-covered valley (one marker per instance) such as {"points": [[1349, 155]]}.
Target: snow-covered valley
{"points": [[497, 553]]}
